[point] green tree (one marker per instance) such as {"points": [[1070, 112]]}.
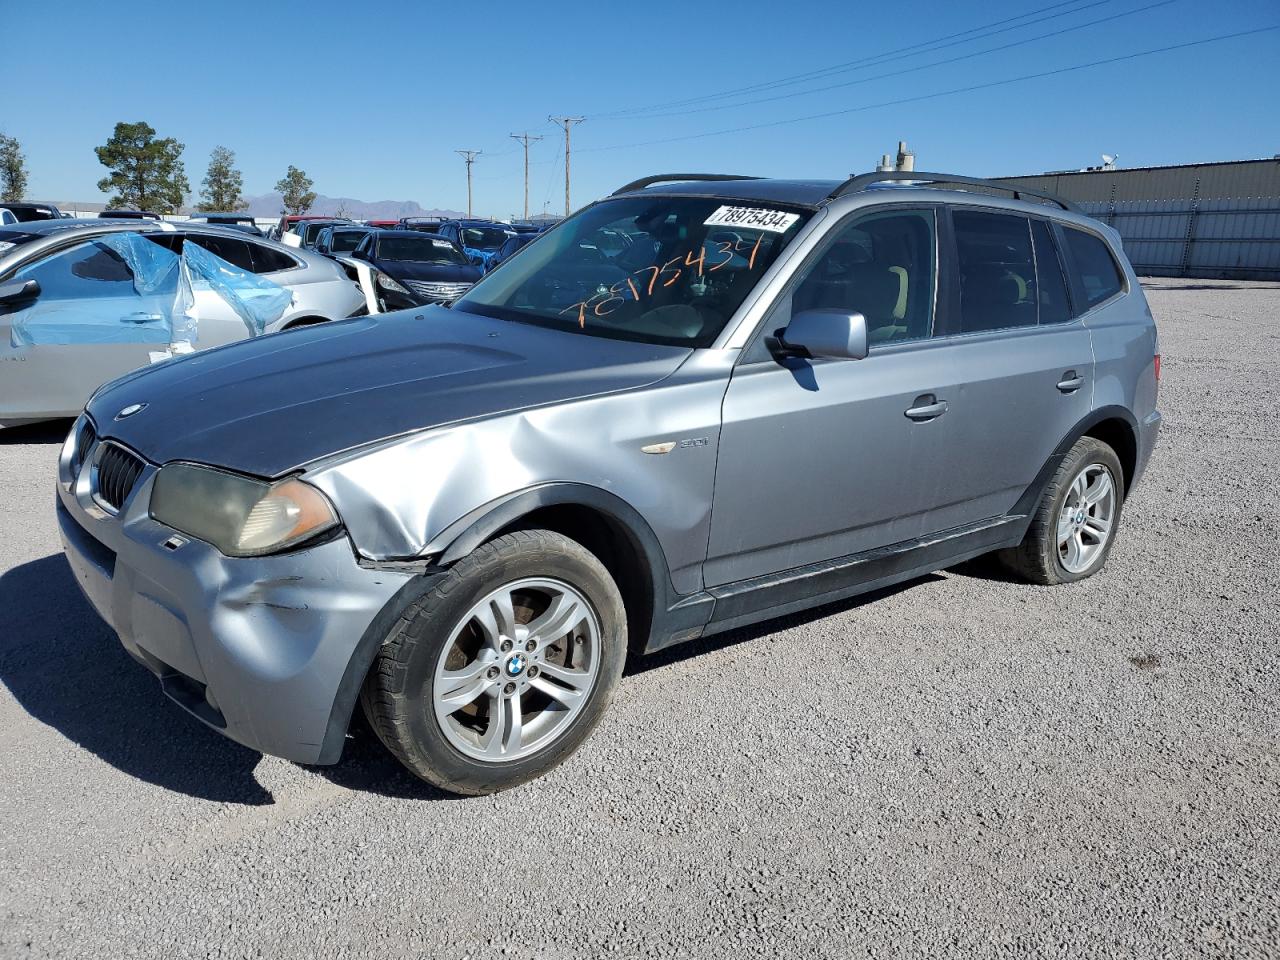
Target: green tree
{"points": [[146, 173], [13, 170], [295, 192], [222, 183]]}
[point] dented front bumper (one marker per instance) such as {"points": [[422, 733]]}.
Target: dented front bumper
{"points": [[256, 648]]}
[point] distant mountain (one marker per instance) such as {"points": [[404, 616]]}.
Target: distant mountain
{"points": [[269, 205]]}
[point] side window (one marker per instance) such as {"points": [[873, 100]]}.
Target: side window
{"points": [[1051, 285], [235, 252], [1096, 274], [266, 260], [84, 272], [881, 266], [997, 270]]}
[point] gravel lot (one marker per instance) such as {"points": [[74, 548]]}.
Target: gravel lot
{"points": [[962, 767]]}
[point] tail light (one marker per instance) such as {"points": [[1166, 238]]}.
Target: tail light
{"points": [[1157, 368]]}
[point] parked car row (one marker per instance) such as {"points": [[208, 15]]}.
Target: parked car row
{"points": [[414, 261]]}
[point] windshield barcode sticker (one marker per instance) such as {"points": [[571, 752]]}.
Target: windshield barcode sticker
{"points": [[754, 218]]}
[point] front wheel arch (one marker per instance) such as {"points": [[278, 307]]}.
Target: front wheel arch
{"points": [[602, 522]]}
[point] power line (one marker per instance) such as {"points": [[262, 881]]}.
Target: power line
{"points": [[568, 122], [912, 69], [942, 93], [874, 59]]}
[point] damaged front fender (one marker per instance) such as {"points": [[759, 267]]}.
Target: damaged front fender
{"points": [[417, 496]]}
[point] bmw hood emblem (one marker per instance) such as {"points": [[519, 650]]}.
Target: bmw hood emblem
{"points": [[516, 665], [130, 410]]}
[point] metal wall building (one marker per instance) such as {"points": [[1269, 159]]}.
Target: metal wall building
{"points": [[1215, 220]]}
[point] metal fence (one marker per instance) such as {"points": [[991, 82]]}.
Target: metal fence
{"points": [[1218, 239]]}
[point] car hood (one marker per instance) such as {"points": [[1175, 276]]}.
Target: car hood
{"points": [[269, 405], [437, 272]]}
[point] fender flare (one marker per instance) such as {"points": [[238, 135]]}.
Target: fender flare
{"points": [[472, 529], [1026, 504], [465, 535]]}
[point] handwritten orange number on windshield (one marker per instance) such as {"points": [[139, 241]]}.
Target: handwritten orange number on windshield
{"points": [[675, 276], [726, 249]]}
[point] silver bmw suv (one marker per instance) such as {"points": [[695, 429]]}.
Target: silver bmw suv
{"points": [[701, 402]]}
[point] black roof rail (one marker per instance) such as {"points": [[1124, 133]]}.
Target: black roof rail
{"points": [[861, 181], [675, 178]]}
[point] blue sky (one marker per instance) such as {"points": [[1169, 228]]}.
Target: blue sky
{"points": [[372, 99]]}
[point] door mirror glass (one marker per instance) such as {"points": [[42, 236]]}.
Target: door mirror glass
{"points": [[827, 333], [13, 291]]}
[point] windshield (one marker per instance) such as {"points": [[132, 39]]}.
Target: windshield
{"points": [[668, 270], [419, 250], [484, 238], [346, 240]]}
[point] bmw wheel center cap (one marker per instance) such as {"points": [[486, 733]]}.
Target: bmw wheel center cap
{"points": [[516, 665]]}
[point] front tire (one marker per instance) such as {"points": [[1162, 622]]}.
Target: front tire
{"points": [[503, 668], [1075, 523]]}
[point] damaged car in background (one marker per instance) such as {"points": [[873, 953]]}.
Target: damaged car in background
{"points": [[82, 303], [399, 269]]}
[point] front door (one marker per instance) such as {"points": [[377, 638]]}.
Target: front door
{"points": [[90, 323], [821, 459]]}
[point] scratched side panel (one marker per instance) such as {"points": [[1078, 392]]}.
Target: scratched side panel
{"points": [[396, 498]]}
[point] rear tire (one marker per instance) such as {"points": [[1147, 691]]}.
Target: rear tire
{"points": [[503, 668], [1076, 521]]}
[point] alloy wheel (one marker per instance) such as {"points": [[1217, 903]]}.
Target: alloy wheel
{"points": [[1086, 518], [517, 670]]}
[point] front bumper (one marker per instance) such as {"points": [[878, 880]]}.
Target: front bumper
{"points": [[259, 649]]}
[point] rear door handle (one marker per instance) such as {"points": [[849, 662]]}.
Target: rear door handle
{"points": [[927, 407], [1070, 382]]}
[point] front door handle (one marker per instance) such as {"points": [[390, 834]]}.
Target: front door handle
{"points": [[1070, 382], [927, 407]]}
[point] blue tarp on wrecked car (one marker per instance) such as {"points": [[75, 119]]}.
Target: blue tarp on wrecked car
{"points": [[126, 288]]}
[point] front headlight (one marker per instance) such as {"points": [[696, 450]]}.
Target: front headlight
{"points": [[388, 283], [240, 516]]}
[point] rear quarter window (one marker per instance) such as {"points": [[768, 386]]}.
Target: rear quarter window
{"points": [[267, 260], [1094, 271]]}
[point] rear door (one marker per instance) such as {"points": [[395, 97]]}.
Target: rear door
{"points": [[218, 322], [1014, 368]]}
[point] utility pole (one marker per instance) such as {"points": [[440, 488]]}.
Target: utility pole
{"points": [[526, 139], [567, 122], [470, 157]]}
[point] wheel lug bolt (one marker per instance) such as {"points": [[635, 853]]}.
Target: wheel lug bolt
{"points": [[531, 646], [491, 673], [509, 689], [533, 672], [506, 646]]}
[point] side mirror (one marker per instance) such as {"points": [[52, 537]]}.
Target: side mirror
{"points": [[12, 291], [359, 255], [826, 333]]}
